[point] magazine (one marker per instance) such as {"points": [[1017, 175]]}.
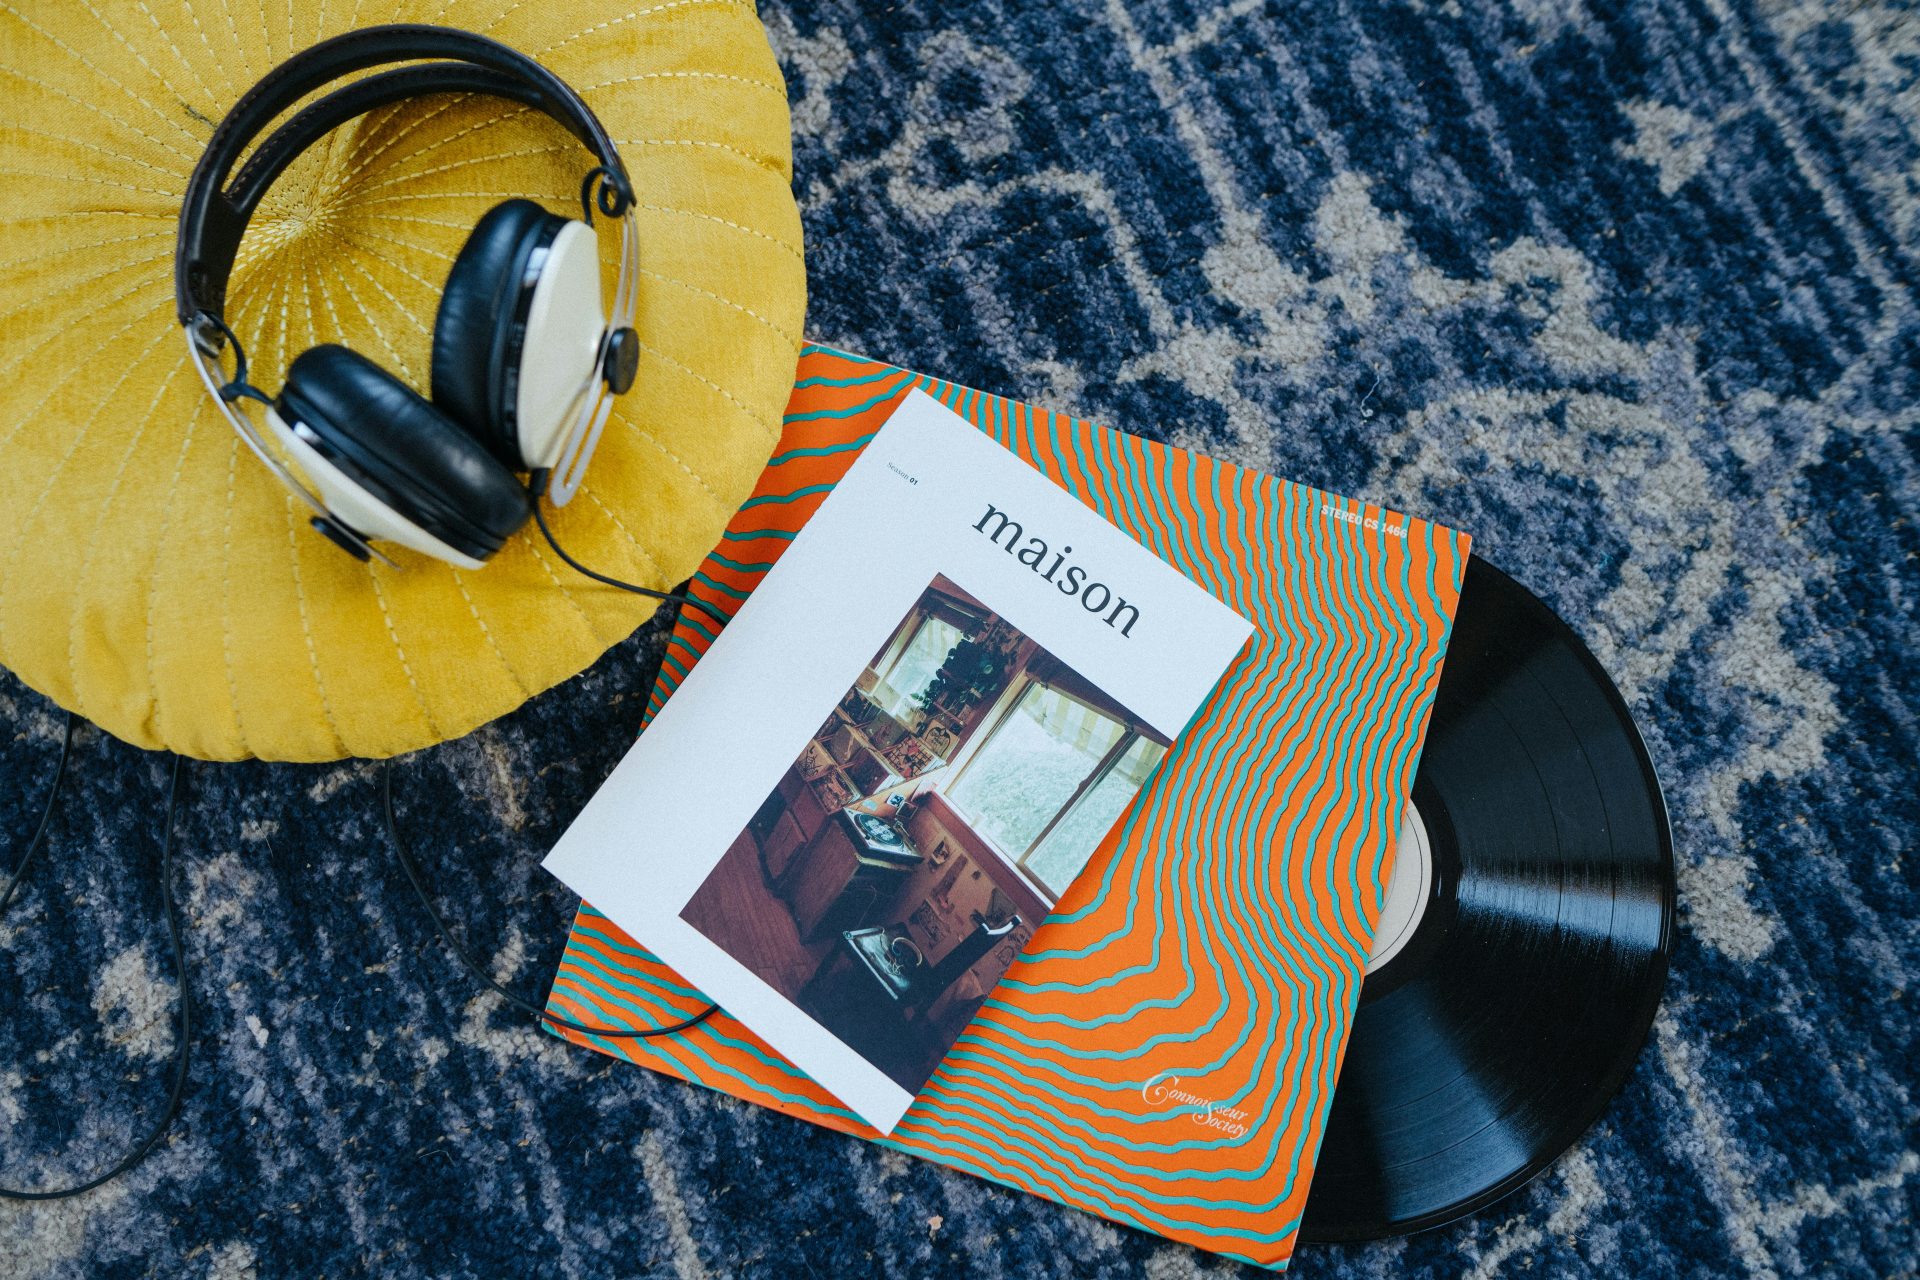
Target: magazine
{"points": [[1164, 1050], [900, 755]]}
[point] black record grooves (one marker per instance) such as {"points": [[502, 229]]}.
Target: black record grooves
{"points": [[1496, 1036]]}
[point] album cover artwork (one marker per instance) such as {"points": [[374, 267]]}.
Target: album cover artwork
{"points": [[1163, 1050]]}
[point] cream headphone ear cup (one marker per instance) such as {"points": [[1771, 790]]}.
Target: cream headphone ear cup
{"points": [[392, 466], [518, 331]]}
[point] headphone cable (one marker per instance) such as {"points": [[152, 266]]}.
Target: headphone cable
{"points": [[473, 967], [538, 486], [46, 815], [183, 1023]]}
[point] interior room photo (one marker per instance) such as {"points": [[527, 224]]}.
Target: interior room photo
{"points": [[905, 857]]}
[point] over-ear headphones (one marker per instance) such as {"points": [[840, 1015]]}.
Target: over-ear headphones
{"points": [[526, 362]]}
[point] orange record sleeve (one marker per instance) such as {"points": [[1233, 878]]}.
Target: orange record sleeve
{"points": [[1164, 1051]]}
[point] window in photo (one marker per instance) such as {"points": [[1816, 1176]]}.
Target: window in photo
{"points": [[913, 666], [1051, 780]]}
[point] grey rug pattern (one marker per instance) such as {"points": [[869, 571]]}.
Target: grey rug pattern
{"points": [[1627, 291]]}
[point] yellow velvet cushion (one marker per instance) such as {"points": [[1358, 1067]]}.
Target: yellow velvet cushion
{"points": [[152, 576]]}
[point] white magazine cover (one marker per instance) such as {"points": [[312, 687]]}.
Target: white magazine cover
{"points": [[955, 657]]}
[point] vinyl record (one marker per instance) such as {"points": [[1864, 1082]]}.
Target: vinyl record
{"points": [[1523, 945]]}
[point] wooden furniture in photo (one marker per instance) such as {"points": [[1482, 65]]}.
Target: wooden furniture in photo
{"points": [[839, 881]]}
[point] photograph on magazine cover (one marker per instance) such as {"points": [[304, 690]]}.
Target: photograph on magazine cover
{"points": [[901, 863]]}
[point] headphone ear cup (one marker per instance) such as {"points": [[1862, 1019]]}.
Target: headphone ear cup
{"points": [[392, 465], [478, 332]]}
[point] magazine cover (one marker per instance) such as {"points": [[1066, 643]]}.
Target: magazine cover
{"points": [[1164, 1048], [973, 668]]}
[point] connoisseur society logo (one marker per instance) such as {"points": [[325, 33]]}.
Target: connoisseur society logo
{"points": [[1164, 1090]]}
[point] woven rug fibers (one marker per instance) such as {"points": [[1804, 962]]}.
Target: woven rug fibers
{"points": [[1625, 290]]}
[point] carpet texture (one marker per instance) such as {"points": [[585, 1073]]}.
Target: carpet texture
{"points": [[1627, 292]]}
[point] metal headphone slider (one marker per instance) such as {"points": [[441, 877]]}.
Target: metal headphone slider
{"points": [[209, 331]]}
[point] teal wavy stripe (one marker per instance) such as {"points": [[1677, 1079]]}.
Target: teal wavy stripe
{"points": [[1376, 775], [696, 622], [1368, 773], [1145, 497], [581, 966], [781, 499], [1165, 505], [853, 411], [1156, 519], [1180, 778], [1203, 825], [859, 380], [1319, 646], [739, 566], [989, 1088], [1337, 1014], [1349, 714], [1301, 968], [1106, 498], [1164, 521], [1251, 712], [708, 580], [1056, 464], [822, 450], [681, 667], [1250, 980], [828, 349]]}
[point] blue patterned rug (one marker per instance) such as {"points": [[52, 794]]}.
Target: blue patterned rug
{"points": [[1626, 291]]}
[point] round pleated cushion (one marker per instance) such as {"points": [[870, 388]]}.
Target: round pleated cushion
{"points": [[153, 578]]}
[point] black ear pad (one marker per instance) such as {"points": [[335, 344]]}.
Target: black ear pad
{"points": [[478, 332], [403, 451]]}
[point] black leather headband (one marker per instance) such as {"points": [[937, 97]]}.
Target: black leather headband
{"points": [[212, 220]]}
